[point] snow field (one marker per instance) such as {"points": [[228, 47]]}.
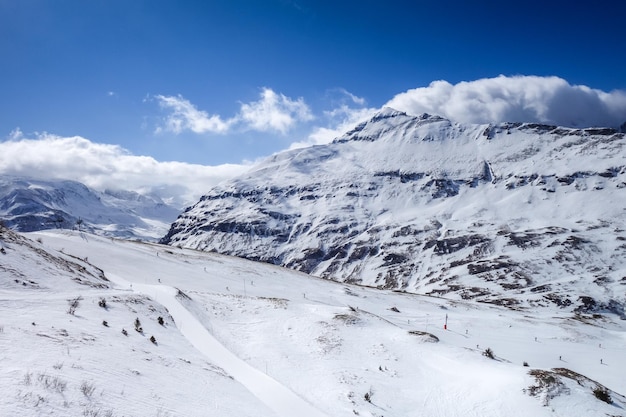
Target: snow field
{"points": [[327, 343]]}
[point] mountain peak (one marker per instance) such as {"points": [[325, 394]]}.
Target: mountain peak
{"points": [[390, 112], [386, 113], [385, 120]]}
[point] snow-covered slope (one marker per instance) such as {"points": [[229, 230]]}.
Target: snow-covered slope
{"points": [[28, 204], [523, 215], [245, 339]]}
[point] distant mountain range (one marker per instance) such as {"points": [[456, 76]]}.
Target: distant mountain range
{"points": [[516, 214], [28, 204]]}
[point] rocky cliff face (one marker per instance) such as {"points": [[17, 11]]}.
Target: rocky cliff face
{"points": [[514, 214]]}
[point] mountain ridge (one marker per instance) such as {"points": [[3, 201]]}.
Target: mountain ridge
{"points": [[423, 204], [30, 204]]}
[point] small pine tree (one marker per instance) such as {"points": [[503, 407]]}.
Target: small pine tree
{"points": [[488, 353]]}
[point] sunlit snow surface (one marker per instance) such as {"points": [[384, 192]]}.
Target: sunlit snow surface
{"points": [[247, 339]]}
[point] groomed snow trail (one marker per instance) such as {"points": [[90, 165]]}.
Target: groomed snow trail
{"points": [[269, 391]]}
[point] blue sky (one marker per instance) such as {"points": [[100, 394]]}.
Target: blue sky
{"points": [[229, 81]]}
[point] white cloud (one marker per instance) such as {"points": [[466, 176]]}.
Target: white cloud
{"points": [[274, 112], [102, 166], [516, 99], [185, 116], [355, 99], [16, 134]]}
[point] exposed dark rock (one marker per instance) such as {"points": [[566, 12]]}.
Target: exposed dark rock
{"points": [[454, 244]]}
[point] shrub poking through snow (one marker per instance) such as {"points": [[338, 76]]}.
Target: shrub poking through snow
{"points": [[603, 395], [160, 320], [138, 327], [368, 396], [489, 353], [124, 332], [102, 303], [87, 388], [73, 305], [105, 323], [153, 339]]}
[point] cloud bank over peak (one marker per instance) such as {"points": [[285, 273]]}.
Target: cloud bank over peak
{"points": [[550, 100], [105, 166]]}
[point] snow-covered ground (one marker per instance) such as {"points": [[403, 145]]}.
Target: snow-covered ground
{"points": [[245, 339]]}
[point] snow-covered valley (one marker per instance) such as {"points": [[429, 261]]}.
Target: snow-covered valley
{"points": [[245, 339]]}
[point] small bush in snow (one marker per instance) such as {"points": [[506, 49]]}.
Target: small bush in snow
{"points": [[102, 303], [488, 353], [73, 305], [52, 383], [603, 395], [138, 327], [124, 332], [87, 388], [105, 323], [160, 320], [368, 396], [153, 339]]}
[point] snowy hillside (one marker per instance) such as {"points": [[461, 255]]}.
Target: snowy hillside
{"points": [[523, 215], [28, 204], [237, 338]]}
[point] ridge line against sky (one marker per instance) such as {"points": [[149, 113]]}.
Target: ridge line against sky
{"points": [[548, 100], [131, 86]]}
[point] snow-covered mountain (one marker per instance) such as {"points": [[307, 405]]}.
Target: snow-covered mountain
{"points": [[28, 204], [95, 326], [516, 214]]}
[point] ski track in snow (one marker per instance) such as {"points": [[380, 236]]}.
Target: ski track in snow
{"points": [[269, 391]]}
